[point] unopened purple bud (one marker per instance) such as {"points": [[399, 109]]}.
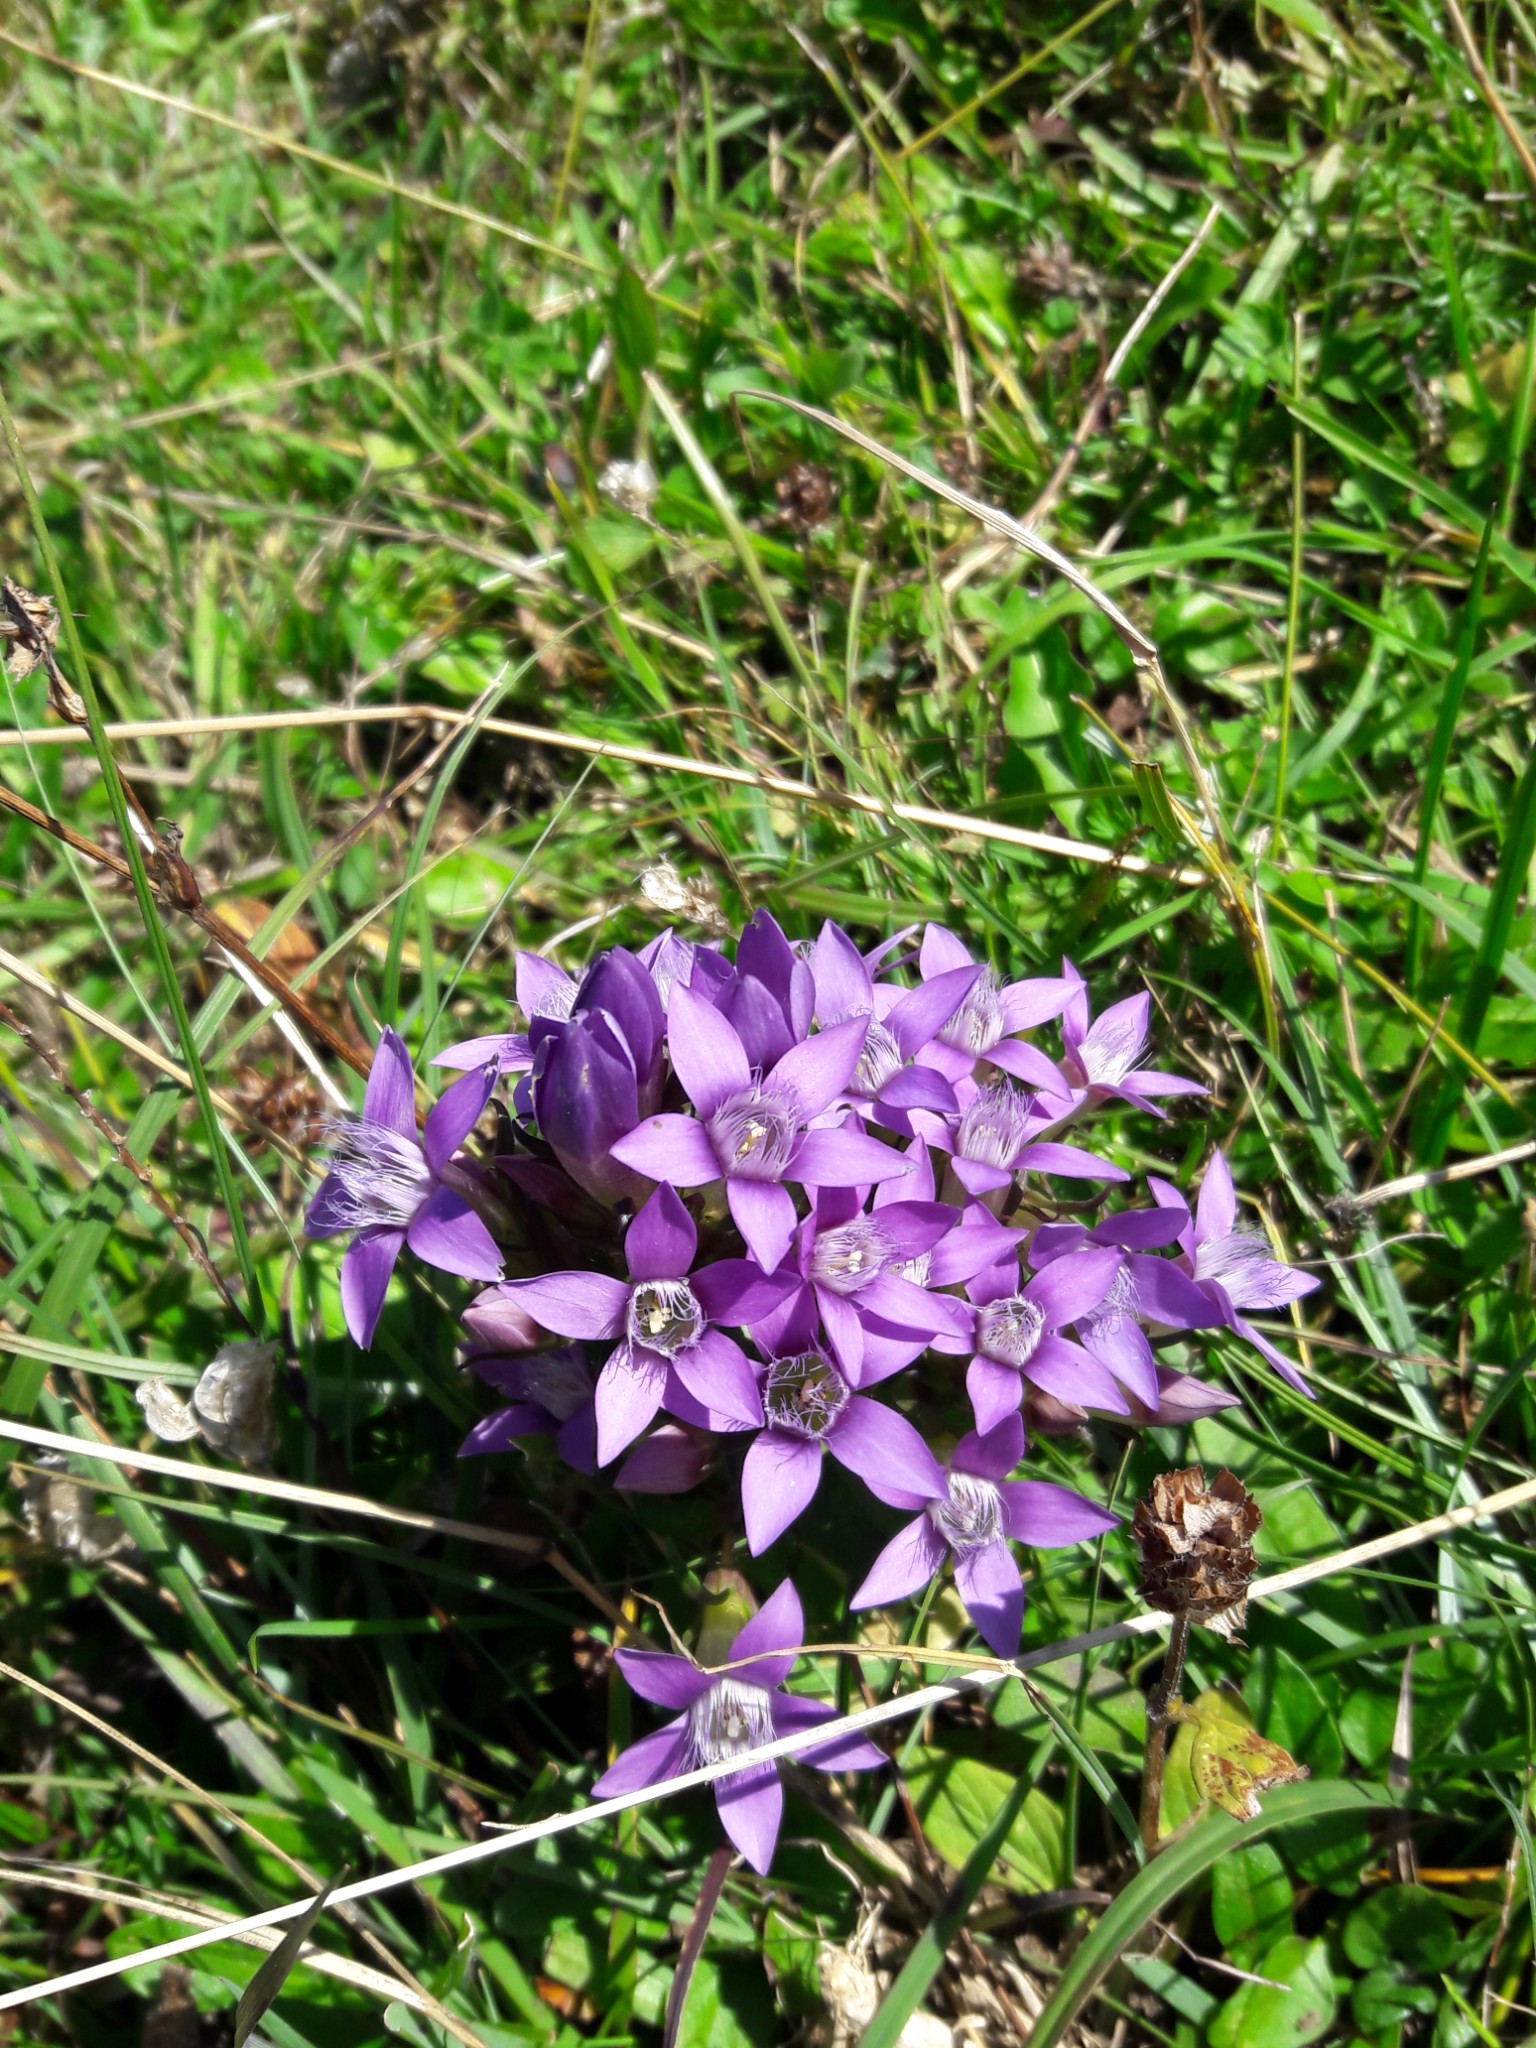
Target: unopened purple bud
{"points": [[619, 988], [669, 1460], [585, 1098], [495, 1318]]}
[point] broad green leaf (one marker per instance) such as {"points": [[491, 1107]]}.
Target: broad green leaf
{"points": [[956, 1800], [1259, 2016]]}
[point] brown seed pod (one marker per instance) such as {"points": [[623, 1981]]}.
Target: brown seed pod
{"points": [[1196, 1547]]}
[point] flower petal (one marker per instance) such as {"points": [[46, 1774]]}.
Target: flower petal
{"points": [[670, 1148], [365, 1270], [995, 1391], [814, 1073], [1068, 1372], [646, 1762], [445, 1232], [1166, 1294], [1028, 1003], [509, 1050], [1027, 1063], [738, 1293], [885, 1451], [542, 988], [390, 1097], [1068, 1162], [773, 1636], [498, 1432], [1277, 1359], [842, 1753], [661, 1242], [923, 1012], [1216, 1204], [454, 1115], [918, 1088], [988, 1581], [751, 1807], [993, 1454], [843, 985], [845, 1159], [764, 1213], [941, 952], [1069, 1287], [669, 1460], [661, 1677], [905, 1565], [707, 1055], [630, 1388], [573, 1304], [778, 1480], [332, 1209], [715, 1371], [1048, 1517]]}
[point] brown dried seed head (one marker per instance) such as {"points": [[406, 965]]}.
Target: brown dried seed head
{"points": [[1196, 1547], [806, 495]]}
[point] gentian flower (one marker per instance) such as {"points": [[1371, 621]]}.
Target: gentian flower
{"points": [[751, 1128], [981, 1030], [809, 1408], [549, 1394], [1018, 1335], [672, 1459], [727, 1715], [1102, 1059], [1144, 1289], [982, 1511], [393, 1188], [663, 1317], [1234, 1268], [993, 1138], [597, 1075], [902, 1022], [853, 1265], [543, 990]]}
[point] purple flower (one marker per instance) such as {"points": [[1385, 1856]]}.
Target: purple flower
{"points": [[993, 1138], [394, 1189], [1233, 1267], [550, 1395], [543, 990], [981, 1029], [595, 1077], [885, 1082], [981, 1512], [726, 1716], [809, 1408], [862, 1273], [751, 1127], [672, 1459], [1144, 1289], [663, 1317], [1102, 1059], [669, 960], [1018, 1336]]}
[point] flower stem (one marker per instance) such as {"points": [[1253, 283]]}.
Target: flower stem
{"points": [[1161, 1701]]}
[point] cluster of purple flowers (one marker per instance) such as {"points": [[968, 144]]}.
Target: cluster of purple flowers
{"points": [[779, 1182]]}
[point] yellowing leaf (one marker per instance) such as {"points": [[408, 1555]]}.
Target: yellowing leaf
{"points": [[1219, 1756]]}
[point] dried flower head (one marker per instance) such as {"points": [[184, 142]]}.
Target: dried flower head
{"points": [[1196, 1547]]}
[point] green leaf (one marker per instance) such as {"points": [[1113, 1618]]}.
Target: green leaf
{"points": [[635, 337], [273, 1974], [1175, 1870], [957, 1800], [1250, 1902], [1261, 2016], [1404, 1924]]}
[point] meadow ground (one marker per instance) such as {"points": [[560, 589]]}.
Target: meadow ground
{"points": [[320, 330]]}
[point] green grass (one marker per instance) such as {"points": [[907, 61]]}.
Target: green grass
{"points": [[303, 439]]}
